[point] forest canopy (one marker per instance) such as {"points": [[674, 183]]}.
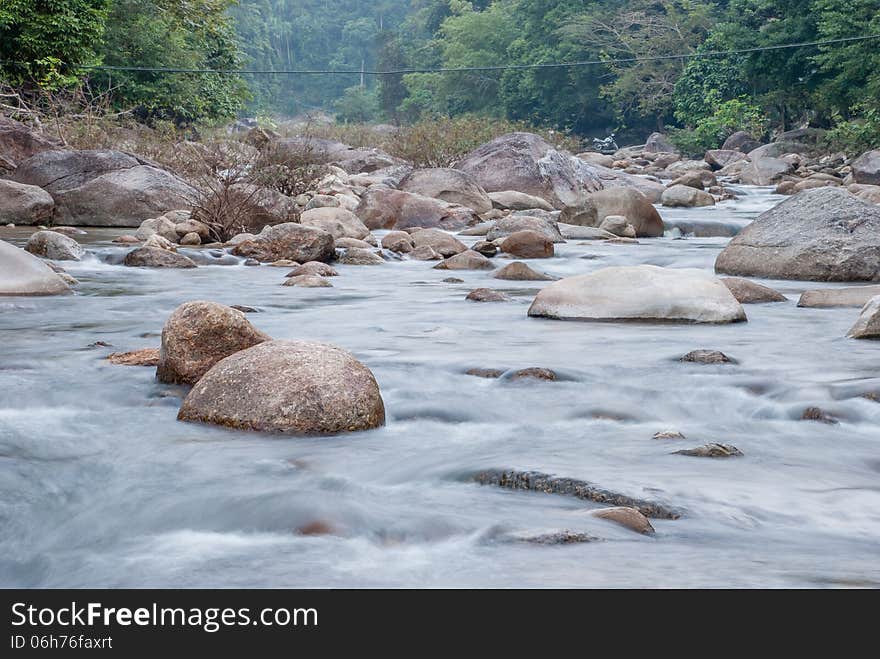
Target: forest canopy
{"points": [[47, 44]]}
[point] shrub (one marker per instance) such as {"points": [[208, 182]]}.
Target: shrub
{"points": [[855, 136], [711, 131]]}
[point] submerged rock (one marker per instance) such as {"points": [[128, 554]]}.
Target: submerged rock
{"points": [[486, 295], [711, 451], [668, 434], [22, 273], [818, 414], [488, 373], [707, 357], [533, 373], [199, 334], [565, 537], [547, 484], [627, 517], [295, 387], [142, 357], [643, 293]]}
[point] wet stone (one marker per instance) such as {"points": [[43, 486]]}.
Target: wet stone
{"points": [[711, 451], [818, 414], [707, 357]]}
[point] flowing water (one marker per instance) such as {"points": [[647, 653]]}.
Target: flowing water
{"points": [[101, 486]]}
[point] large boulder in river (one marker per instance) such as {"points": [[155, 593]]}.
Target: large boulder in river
{"points": [[866, 168], [18, 142], [199, 334], [824, 234], [290, 241], [640, 293], [382, 207], [294, 387], [763, 170], [24, 204], [24, 274], [526, 163], [449, 185], [631, 204], [339, 222], [55, 246], [103, 187]]}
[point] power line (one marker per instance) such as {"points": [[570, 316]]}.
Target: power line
{"points": [[466, 69]]}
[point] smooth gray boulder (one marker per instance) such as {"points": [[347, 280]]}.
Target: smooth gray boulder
{"points": [[824, 234], [450, 185], [639, 293], [55, 246], [24, 204], [24, 274], [104, 187], [339, 222], [631, 204]]}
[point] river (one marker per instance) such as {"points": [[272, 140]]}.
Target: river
{"points": [[101, 486]]}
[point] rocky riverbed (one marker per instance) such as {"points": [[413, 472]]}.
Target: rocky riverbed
{"points": [[102, 486], [528, 369]]}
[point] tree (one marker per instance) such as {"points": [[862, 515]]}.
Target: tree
{"points": [[196, 34], [641, 30], [46, 42]]}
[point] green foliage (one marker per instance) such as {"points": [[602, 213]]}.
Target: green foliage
{"points": [[711, 131], [170, 34], [45, 42], [855, 136], [357, 105]]}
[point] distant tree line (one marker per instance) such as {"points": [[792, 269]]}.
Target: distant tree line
{"points": [[46, 44]]}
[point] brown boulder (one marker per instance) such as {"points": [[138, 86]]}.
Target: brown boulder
{"points": [[295, 387], [528, 245], [199, 334], [289, 241]]}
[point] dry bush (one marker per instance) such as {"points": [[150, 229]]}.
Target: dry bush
{"points": [[436, 142], [290, 171]]}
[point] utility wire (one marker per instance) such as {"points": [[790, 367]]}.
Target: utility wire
{"points": [[465, 69]]}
